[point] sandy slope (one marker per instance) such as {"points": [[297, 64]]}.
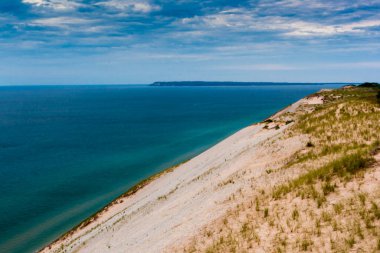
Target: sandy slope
{"points": [[177, 205]]}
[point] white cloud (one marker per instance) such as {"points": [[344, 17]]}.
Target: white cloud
{"points": [[36, 2], [314, 29], [59, 5], [247, 20], [67, 25], [60, 22], [260, 67], [311, 66], [125, 5]]}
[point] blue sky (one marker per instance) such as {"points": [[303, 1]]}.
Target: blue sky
{"points": [[127, 41]]}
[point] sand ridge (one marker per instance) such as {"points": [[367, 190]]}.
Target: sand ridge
{"points": [[178, 204]]}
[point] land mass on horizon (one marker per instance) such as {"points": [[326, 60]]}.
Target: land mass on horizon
{"points": [[230, 83]]}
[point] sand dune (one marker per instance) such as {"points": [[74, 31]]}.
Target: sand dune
{"points": [[175, 206]]}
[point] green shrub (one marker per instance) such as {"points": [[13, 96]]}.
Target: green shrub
{"points": [[369, 85], [268, 121], [289, 121]]}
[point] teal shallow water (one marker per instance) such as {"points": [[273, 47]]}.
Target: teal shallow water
{"points": [[66, 151]]}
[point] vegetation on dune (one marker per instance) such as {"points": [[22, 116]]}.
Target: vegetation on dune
{"points": [[301, 214], [370, 85], [345, 166]]}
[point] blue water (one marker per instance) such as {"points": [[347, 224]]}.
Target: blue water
{"points": [[66, 151]]}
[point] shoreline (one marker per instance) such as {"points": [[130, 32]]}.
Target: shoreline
{"points": [[89, 224], [132, 190]]}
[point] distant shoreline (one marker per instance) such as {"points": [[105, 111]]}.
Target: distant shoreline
{"points": [[234, 84], [178, 84]]}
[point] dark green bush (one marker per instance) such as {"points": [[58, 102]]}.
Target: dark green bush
{"points": [[370, 85], [288, 122]]}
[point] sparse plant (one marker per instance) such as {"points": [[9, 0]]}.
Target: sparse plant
{"points": [[295, 214], [362, 198], [328, 188], [266, 212], [257, 205], [338, 208], [326, 217], [305, 244], [350, 241], [375, 210]]}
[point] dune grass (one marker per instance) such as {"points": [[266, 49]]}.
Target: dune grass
{"points": [[343, 135], [345, 166]]}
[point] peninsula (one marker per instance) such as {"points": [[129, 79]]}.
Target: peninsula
{"points": [[218, 83]]}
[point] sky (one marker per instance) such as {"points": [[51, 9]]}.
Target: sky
{"points": [[139, 42]]}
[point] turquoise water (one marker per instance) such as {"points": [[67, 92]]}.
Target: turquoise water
{"points": [[66, 151]]}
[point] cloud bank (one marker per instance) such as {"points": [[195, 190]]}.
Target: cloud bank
{"points": [[253, 31]]}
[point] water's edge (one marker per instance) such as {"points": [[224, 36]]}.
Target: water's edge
{"points": [[140, 185]]}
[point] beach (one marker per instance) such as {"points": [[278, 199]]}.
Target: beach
{"points": [[174, 206]]}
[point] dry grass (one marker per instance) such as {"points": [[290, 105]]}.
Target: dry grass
{"points": [[333, 205]]}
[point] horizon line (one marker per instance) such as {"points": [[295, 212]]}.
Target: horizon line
{"points": [[148, 84]]}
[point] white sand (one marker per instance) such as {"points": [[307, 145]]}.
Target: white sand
{"points": [[177, 205]]}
